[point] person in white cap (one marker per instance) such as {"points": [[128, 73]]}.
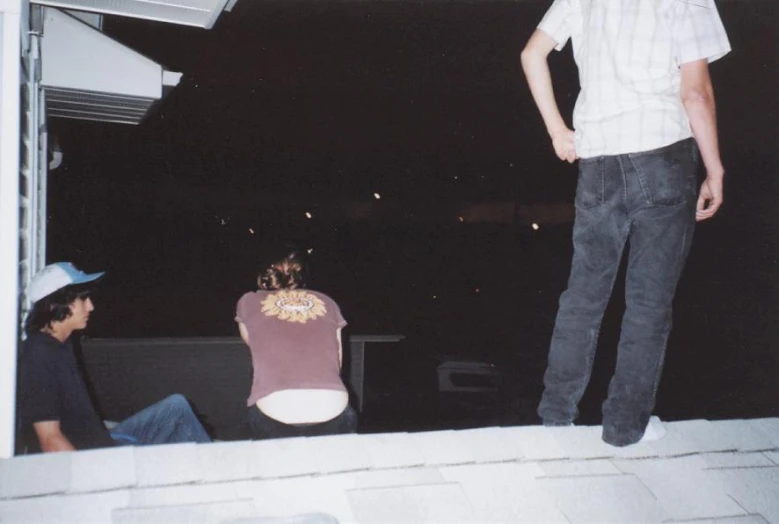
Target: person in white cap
{"points": [[56, 412]]}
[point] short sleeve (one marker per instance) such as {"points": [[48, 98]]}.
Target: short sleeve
{"points": [[241, 309], [38, 390], [339, 319], [557, 22], [699, 32]]}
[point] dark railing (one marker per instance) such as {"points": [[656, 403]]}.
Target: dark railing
{"points": [[214, 373]]}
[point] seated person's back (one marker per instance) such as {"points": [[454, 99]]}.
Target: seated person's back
{"points": [[294, 335]]}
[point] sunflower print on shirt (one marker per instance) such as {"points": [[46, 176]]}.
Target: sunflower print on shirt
{"points": [[293, 306]]}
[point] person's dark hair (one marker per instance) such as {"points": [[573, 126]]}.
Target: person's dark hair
{"points": [[54, 307], [287, 272]]}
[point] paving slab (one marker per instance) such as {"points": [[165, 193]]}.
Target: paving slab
{"points": [[209, 513], [167, 465], [582, 442], [437, 503], [505, 492], [307, 518], [226, 461], [746, 519], [32, 475], [392, 450], [578, 468], [743, 435], [639, 450], [186, 494], [396, 477], [682, 487], [773, 456], [769, 427], [536, 443], [442, 447], [102, 469], [604, 499], [735, 460], [287, 457], [506, 472], [681, 440], [70, 509], [755, 489], [705, 436], [490, 444], [341, 453], [293, 496]]}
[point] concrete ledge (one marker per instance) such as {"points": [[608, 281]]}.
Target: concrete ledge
{"points": [[102, 470], [702, 471], [33, 475], [167, 465]]}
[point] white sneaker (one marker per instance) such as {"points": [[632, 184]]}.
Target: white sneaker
{"points": [[654, 430]]}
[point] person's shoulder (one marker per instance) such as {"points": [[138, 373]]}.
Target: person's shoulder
{"points": [[40, 351], [249, 296], [324, 296], [331, 306], [38, 343]]}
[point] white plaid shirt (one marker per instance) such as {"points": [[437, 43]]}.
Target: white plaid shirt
{"points": [[628, 53]]}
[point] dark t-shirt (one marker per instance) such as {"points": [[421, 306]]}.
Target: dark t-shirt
{"points": [[51, 388]]}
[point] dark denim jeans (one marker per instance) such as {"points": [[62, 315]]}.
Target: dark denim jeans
{"points": [[261, 426], [647, 201], [167, 422]]}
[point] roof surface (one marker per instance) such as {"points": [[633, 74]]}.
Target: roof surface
{"points": [[704, 472]]}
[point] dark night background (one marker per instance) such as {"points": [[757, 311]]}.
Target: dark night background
{"points": [[289, 107]]}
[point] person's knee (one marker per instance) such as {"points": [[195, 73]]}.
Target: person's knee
{"points": [[177, 401]]}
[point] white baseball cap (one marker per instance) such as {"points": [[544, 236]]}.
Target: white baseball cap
{"points": [[56, 276]]}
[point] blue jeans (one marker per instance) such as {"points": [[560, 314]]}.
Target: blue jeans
{"points": [[261, 426], [646, 200], [167, 422]]}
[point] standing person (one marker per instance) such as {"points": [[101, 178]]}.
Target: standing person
{"points": [[55, 409], [294, 335], [644, 118]]}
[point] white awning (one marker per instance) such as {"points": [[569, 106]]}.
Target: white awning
{"points": [[198, 13], [89, 76]]}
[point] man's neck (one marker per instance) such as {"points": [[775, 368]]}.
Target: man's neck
{"points": [[58, 331]]}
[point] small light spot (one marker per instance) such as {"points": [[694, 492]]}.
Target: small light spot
{"points": [[310, 250], [434, 297], [461, 219], [476, 290], [535, 226], [376, 196], [308, 215], [251, 231]]}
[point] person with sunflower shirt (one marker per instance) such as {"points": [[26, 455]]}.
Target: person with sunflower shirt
{"points": [[294, 336]]}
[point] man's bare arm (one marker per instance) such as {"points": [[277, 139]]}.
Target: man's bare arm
{"points": [[536, 69], [698, 100], [51, 438]]}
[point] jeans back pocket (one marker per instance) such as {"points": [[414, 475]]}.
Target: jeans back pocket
{"points": [[667, 175], [590, 188]]}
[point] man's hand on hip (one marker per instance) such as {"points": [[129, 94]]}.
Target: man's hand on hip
{"points": [[564, 146]]}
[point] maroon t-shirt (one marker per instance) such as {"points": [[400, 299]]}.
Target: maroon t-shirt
{"points": [[293, 341]]}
